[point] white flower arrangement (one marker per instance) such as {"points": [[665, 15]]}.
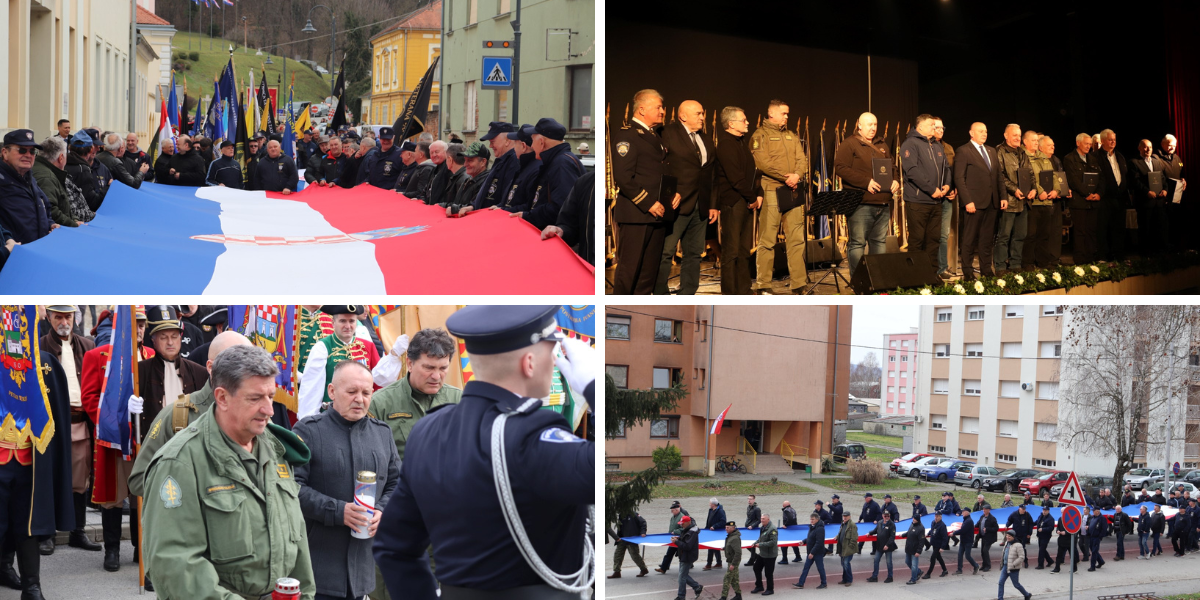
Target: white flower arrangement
{"points": [[1056, 277], [1041, 278], [1095, 269], [1020, 280], [1000, 283], [926, 292], [959, 288], [978, 287], [1079, 271]]}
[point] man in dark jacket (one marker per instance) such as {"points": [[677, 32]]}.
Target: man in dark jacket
{"points": [[276, 172], [80, 157], [382, 167], [475, 163], [114, 149], [787, 520], [495, 186], [1045, 531], [162, 164], [456, 160], [408, 163], [966, 535], [226, 171], [312, 160], [1110, 224], [1021, 522], [738, 192], [1122, 526], [330, 166], [939, 539], [1097, 530], [869, 222], [890, 507], [753, 521], [733, 557], [815, 543], [927, 179], [439, 180], [343, 442], [988, 528], [629, 526], [885, 543], [914, 544], [422, 174], [1157, 524], [51, 178], [1014, 219], [870, 514], [559, 171], [519, 196], [134, 158], [677, 513], [715, 522], [24, 207], [919, 508], [1064, 547], [1084, 205], [187, 166], [690, 159], [688, 543], [836, 510]]}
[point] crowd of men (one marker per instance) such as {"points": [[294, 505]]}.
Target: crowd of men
{"points": [[239, 492], [63, 179], [1017, 542], [1011, 213]]}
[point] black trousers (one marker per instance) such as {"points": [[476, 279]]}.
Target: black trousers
{"points": [[924, 229], [666, 561], [1044, 551], [737, 239], [936, 558], [1153, 229], [639, 252], [688, 229], [985, 554], [713, 554], [1037, 238], [1110, 230], [1083, 227], [1064, 549], [978, 236], [767, 566], [16, 491]]}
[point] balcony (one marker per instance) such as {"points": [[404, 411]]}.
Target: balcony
{"points": [[1191, 450], [1193, 412]]}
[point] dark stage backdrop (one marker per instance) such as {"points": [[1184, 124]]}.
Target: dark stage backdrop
{"points": [[719, 71]]}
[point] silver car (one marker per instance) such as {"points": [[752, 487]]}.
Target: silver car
{"points": [[1140, 478], [913, 469]]}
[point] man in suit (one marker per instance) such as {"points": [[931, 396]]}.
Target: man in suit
{"points": [[1084, 206], [637, 161], [982, 196], [690, 158], [1178, 214], [1151, 206], [1110, 222]]}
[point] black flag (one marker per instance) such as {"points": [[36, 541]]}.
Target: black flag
{"points": [[339, 111], [264, 100], [241, 143], [412, 120]]}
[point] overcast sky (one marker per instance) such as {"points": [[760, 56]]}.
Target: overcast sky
{"points": [[870, 323]]}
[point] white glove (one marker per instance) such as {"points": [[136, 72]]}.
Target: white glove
{"points": [[577, 363], [135, 405], [400, 345]]}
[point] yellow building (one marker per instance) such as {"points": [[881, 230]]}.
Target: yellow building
{"points": [[401, 54]]}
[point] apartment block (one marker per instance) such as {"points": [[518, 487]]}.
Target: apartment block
{"points": [[898, 374]]}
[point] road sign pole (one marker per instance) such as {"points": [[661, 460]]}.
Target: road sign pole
{"points": [[1074, 549], [516, 70]]}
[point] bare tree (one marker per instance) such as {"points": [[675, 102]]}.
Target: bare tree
{"points": [[1121, 377], [864, 377]]}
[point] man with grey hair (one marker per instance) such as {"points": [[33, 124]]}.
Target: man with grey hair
{"points": [[114, 149], [457, 162], [276, 172], [1110, 220], [1014, 219], [48, 170], [422, 174], [690, 159], [1178, 215], [637, 159], [439, 178], [737, 192], [401, 403], [1084, 202], [24, 208], [1151, 205]]}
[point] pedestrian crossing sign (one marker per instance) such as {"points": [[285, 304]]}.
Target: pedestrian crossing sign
{"points": [[1072, 493], [497, 72]]}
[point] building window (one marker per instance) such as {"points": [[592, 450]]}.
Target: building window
{"points": [[1046, 432], [944, 315], [668, 332], [1013, 312], [891, 389], [891, 374], [619, 373], [1008, 458], [1047, 390], [907, 343], [971, 387], [665, 428], [974, 350], [612, 466], [891, 358], [1041, 462], [970, 424], [1006, 428], [893, 344], [1051, 310], [1010, 350], [1193, 359], [581, 98], [1051, 350], [942, 350], [472, 12], [968, 453], [504, 7], [904, 389], [704, 330], [616, 327], [941, 386], [666, 377], [938, 449], [891, 404], [902, 405], [620, 430], [937, 421], [472, 109], [1010, 389], [904, 358], [903, 374], [975, 313]]}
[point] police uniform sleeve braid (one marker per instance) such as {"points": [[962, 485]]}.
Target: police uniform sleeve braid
{"points": [[624, 173], [312, 382], [400, 544], [177, 541], [315, 505]]}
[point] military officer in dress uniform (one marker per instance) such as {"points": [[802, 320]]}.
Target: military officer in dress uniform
{"points": [[404, 402], [547, 473], [222, 509], [343, 344], [637, 163], [382, 167]]}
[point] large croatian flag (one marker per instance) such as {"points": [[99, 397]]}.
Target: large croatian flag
{"points": [[215, 240]]}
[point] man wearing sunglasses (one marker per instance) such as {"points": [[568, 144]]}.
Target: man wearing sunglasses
{"points": [[23, 205]]}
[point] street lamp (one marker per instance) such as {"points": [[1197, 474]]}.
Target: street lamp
{"points": [[308, 28]]}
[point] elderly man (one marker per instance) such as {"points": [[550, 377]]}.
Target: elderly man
{"points": [[401, 404], [927, 179], [457, 163], [673, 528], [946, 244], [716, 520], [69, 347], [557, 175], [981, 194], [223, 516], [276, 172], [345, 443], [134, 158], [332, 349], [330, 166], [422, 173], [80, 168], [408, 163], [690, 158], [574, 224], [868, 222], [784, 169], [52, 179], [356, 154], [434, 190], [496, 185], [114, 149], [524, 184], [475, 167], [226, 171], [1014, 219], [1151, 205], [637, 170], [381, 168], [1110, 220], [1045, 212], [1178, 214], [167, 376], [312, 162], [24, 207], [738, 193], [162, 164], [1085, 199]]}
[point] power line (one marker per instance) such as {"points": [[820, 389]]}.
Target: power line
{"points": [[317, 37], [828, 343]]}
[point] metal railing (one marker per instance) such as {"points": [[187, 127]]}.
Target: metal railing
{"points": [[744, 447], [787, 453]]}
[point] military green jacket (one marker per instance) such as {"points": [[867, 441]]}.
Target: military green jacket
{"points": [[396, 407], [733, 548], [216, 529], [777, 152], [161, 431], [1040, 162], [768, 541]]}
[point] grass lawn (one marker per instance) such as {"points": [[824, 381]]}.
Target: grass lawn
{"points": [[882, 455], [870, 438], [728, 488], [676, 476], [1184, 597], [310, 86]]}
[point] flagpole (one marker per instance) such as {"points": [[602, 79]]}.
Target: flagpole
{"points": [[137, 446], [708, 469]]}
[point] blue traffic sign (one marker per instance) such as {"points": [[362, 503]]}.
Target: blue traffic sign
{"points": [[1072, 520], [497, 73], [1176, 468]]}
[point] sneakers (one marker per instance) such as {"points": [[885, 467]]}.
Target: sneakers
{"points": [[798, 586], [822, 586]]}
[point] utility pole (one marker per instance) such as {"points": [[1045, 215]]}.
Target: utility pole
{"points": [[516, 74], [1170, 386], [244, 35]]}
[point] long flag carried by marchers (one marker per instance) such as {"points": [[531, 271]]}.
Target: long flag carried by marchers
{"points": [[416, 111], [24, 400], [276, 329], [112, 430]]}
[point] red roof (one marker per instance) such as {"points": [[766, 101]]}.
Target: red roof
{"points": [[428, 17], [145, 17]]}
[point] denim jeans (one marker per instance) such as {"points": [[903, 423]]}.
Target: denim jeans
{"points": [[965, 550], [878, 555], [913, 562], [685, 578], [947, 212], [868, 226], [808, 562], [1121, 545], [847, 571], [1010, 239], [1014, 576], [1143, 546], [1157, 547]]}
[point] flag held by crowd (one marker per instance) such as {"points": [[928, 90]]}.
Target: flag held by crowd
{"points": [[416, 111], [113, 430], [24, 399]]}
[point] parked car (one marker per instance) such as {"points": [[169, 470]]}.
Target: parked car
{"points": [[907, 458], [943, 471], [1139, 478], [1008, 480], [1043, 481], [1166, 487], [1092, 484], [1192, 476], [845, 452], [913, 469], [973, 475]]}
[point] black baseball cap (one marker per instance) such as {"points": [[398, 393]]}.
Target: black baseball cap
{"points": [[386, 133], [408, 146], [550, 128], [20, 137], [524, 134], [227, 144], [496, 128]]}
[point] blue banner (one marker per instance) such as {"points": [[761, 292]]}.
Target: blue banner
{"points": [[112, 430], [24, 399], [276, 329], [578, 322]]}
